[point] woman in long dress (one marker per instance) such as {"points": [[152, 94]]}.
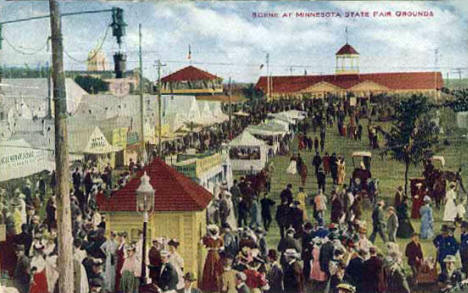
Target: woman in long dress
{"points": [[341, 171], [316, 273], [120, 259], [212, 271], [231, 218], [427, 220], [109, 248], [38, 271], [292, 168], [177, 261], [417, 201], [450, 210], [131, 271], [405, 229]]}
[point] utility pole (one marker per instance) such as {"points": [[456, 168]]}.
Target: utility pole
{"points": [[49, 91], [159, 110], [268, 75], [230, 109], [64, 231], [142, 103], [436, 60]]}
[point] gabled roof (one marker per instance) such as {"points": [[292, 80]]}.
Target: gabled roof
{"points": [[347, 49], [391, 80], [189, 73], [173, 192], [246, 139]]}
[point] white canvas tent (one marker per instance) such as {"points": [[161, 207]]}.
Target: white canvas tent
{"points": [[247, 153], [206, 116], [296, 114], [217, 111], [182, 104], [174, 121], [90, 141], [18, 159]]}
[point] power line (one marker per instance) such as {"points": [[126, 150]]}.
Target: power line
{"points": [[24, 52], [96, 50]]}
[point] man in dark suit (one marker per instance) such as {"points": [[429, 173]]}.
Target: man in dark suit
{"points": [[282, 214], [168, 277], [373, 270], [286, 194], [24, 238], [378, 222], [188, 280]]}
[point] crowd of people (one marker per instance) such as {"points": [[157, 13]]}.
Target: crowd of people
{"points": [[330, 254]]}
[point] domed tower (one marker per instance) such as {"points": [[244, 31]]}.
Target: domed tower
{"points": [[347, 60], [97, 61]]}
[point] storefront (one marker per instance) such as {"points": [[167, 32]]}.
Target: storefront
{"points": [[205, 169], [247, 153]]}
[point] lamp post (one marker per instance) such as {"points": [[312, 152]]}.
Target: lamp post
{"points": [[145, 205]]}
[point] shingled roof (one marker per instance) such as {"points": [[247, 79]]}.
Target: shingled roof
{"points": [[392, 81], [189, 73], [173, 192], [347, 49]]}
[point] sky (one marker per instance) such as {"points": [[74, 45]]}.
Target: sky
{"points": [[227, 40]]}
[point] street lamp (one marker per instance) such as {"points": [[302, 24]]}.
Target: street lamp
{"points": [[145, 205]]}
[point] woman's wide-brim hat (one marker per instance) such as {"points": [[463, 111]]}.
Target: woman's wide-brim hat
{"points": [[450, 258], [291, 252], [212, 228], [189, 277], [173, 242]]}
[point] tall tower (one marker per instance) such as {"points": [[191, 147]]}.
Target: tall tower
{"points": [[97, 61], [347, 59]]}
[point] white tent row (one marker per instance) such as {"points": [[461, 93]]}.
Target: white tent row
{"points": [[247, 153]]}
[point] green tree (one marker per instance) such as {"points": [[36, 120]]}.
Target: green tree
{"points": [[92, 85], [412, 136]]}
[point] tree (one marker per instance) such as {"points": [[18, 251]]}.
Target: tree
{"points": [[92, 85], [412, 135]]}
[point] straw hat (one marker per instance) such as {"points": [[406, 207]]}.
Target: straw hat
{"points": [[450, 258], [346, 287]]}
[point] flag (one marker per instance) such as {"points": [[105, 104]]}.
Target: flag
{"points": [[261, 66], [189, 56]]}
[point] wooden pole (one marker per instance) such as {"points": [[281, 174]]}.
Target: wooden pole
{"points": [[64, 224], [142, 104]]}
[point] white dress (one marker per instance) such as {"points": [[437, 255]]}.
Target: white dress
{"points": [[178, 262], [109, 248], [450, 211], [231, 219], [292, 168]]}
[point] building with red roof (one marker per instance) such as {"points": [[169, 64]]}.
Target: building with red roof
{"points": [[180, 210], [348, 80], [191, 80]]}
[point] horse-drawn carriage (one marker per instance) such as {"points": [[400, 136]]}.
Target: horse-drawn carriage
{"points": [[436, 177], [362, 176]]}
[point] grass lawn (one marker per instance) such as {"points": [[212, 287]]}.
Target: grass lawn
{"points": [[389, 172]]}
